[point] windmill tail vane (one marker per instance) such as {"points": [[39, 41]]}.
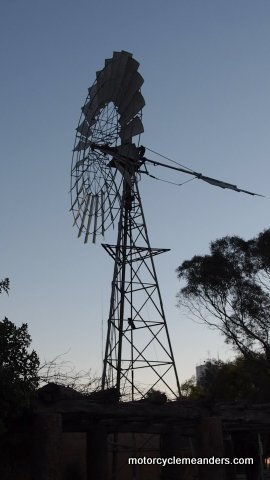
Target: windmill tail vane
{"points": [[125, 159]]}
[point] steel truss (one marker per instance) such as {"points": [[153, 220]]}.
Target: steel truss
{"points": [[138, 353]]}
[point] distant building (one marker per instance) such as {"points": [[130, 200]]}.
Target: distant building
{"points": [[200, 370]]}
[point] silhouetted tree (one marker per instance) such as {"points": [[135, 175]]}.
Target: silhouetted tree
{"points": [[239, 379], [190, 389], [229, 289], [4, 285], [18, 368], [62, 372]]}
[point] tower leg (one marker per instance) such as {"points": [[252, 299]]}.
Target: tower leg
{"points": [[138, 353]]}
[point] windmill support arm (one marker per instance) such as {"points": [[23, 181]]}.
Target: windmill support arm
{"points": [[106, 149], [200, 176]]}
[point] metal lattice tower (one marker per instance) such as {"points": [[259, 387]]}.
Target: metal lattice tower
{"points": [[138, 353]]}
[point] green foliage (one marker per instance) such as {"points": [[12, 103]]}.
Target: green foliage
{"points": [[240, 379], [229, 289], [16, 363], [191, 390], [18, 368], [156, 396], [18, 381], [4, 285]]}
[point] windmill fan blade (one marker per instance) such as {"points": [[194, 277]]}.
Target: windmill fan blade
{"points": [[89, 219], [77, 197], [100, 94], [96, 217], [135, 127], [79, 208], [126, 85], [102, 212], [136, 104], [79, 163], [129, 90], [102, 77], [111, 117], [91, 109], [84, 215], [86, 107], [109, 79], [82, 145], [119, 71], [109, 200], [83, 129], [120, 66]]}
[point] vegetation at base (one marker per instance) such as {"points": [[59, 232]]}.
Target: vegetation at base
{"points": [[156, 396], [18, 369], [236, 380]]}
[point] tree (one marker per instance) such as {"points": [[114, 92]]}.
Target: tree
{"points": [[18, 367], [4, 285], [61, 372], [190, 389], [239, 379], [229, 289], [16, 363], [18, 370]]}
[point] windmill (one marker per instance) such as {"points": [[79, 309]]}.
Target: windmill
{"points": [[106, 168]]}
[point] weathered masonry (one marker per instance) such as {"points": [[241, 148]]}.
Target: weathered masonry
{"points": [[82, 440]]}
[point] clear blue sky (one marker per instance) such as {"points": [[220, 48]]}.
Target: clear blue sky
{"points": [[206, 66]]}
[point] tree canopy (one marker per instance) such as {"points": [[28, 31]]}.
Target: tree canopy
{"points": [[18, 367], [4, 285], [229, 289], [239, 379]]}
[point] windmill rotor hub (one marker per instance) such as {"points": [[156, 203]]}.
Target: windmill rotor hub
{"points": [[126, 157]]}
